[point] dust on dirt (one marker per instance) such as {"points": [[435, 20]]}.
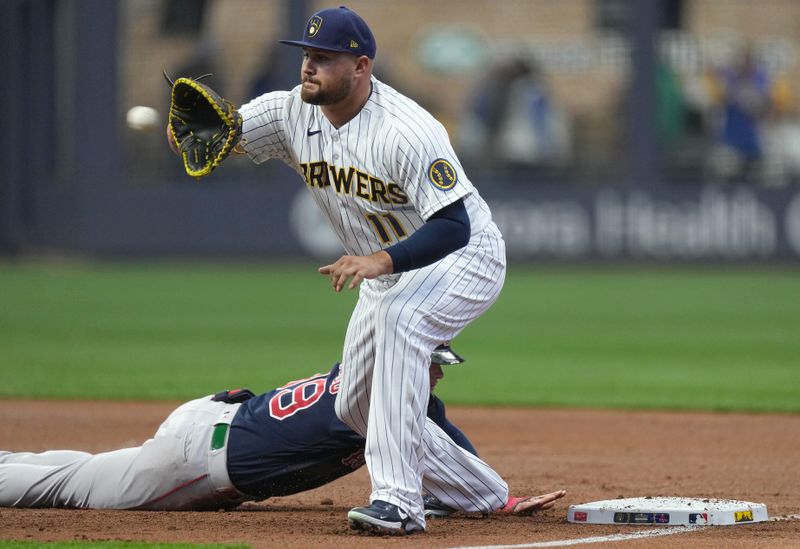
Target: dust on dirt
{"points": [[593, 454]]}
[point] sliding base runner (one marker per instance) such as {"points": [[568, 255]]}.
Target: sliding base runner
{"points": [[668, 511]]}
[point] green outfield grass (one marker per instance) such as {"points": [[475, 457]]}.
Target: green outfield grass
{"points": [[673, 338]]}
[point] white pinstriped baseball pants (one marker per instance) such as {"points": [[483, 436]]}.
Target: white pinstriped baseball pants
{"points": [[385, 383]]}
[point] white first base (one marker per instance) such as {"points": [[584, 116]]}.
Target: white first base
{"points": [[668, 511]]}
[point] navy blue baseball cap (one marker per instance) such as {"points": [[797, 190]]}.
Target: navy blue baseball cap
{"points": [[337, 29]]}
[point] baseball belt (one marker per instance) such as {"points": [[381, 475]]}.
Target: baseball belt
{"points": [[218, 455]]}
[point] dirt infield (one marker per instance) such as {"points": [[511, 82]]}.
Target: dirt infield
{"points": [[593, 454]]}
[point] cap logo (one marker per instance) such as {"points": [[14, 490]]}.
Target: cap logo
{"points": [[314, 25], [336, 30]]}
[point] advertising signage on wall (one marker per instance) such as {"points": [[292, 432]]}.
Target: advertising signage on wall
{"points": [[639, 224], [672, 224]]}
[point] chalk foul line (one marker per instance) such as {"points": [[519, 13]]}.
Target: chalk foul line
{"points": [[652, 533]]}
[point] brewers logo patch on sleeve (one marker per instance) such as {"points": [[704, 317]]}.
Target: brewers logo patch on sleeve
{"points": [[442, 174]]}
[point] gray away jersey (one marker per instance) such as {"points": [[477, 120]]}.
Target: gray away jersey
{"points": [[378, 177]]}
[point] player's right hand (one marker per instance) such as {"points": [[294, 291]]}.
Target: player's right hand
{"points": [[531, 504], [357, 267]]}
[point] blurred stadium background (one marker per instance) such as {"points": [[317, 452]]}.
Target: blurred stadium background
{"points": [[612, 130], [603, 133]]}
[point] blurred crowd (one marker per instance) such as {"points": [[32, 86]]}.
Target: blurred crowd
{"points": [[731, 124], [735, 121], [752, 118], [513, 124]]}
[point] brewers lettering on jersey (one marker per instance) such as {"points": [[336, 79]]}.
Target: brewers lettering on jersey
{"points": [[419, 242]]}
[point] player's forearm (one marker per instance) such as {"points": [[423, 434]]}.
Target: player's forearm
{"points": [[437, 414], [445, 232]]}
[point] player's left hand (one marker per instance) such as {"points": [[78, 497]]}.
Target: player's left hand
{"points": [[531, 504], [357, 267], [203, 126]]}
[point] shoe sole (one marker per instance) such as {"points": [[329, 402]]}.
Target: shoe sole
{"points": [[371, 525], [437, 514]]}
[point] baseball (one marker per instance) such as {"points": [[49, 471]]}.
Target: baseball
{"points": [[142, 119]]}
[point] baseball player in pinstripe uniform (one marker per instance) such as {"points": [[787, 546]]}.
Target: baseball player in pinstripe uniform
{"points": [[418, 238], [419, 241]]}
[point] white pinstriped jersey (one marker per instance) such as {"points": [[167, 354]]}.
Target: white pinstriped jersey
{"points": [[378, 177]]}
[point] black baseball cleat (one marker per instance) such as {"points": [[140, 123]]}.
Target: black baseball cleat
{"points": [[379, 517], [435, 508]]}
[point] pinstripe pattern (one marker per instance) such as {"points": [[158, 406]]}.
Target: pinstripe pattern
{"points": [[393, 329], [374, 180], [459, 479], [392, 140]]}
